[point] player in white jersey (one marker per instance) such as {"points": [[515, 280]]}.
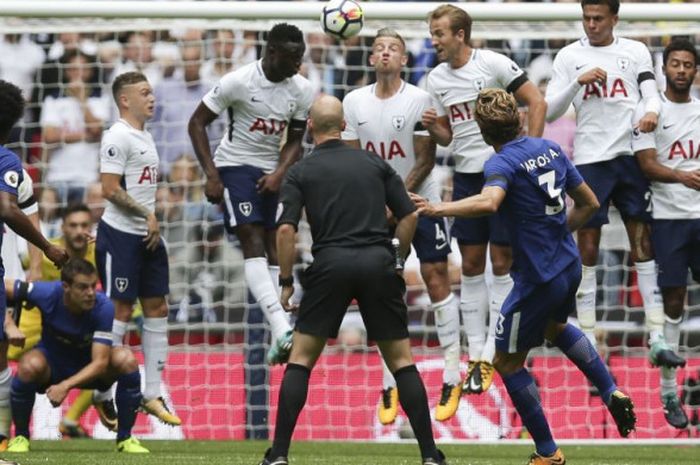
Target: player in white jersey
{"points": [[265, 100], [131, 256], [385, 118], [670, 158], [603, 76], [454, 85]]}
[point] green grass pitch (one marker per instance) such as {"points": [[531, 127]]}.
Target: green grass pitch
{"points": [[89, 452]]}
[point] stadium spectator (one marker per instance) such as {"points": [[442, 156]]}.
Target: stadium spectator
{"points": [[75, 351], [267, 96], [223, 45], [667, 159], [318, 62], [454, 85], [137, 55], [71, 126], [385, 118], [49, 212], [131, 256], [95, 201], [604, 77], [345, 192], [20, 58], [526, 179]]}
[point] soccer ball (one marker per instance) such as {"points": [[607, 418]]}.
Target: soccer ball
{"points": [[342, 19]]}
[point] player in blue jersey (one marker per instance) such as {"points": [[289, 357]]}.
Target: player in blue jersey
{"points": [[527, 180], [11, 176], [75, 351]]}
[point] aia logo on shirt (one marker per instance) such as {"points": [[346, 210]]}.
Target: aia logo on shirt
{"points": [[386, 151], [687, 149], [460, 112], [268, 127], [604, 91], [149, 175]]}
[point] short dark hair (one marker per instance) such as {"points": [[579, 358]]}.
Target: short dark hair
{"points": [[614, 5], [459, 19], [12, 104], [497, 115], [76, 266], [126, 79], [284, 32], [680, 44], [75, 208]]}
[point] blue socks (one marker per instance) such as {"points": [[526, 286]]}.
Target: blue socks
{"points": [[579, 350], [128, 399], [523, 392], [22, 397]]}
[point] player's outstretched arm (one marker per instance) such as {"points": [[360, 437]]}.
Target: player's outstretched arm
{"points": [[528, 94], [290, 154], [197, 129], [13, 334], [656, 171], [585, 206], [90, 372], [485, 203], [18, 221]]}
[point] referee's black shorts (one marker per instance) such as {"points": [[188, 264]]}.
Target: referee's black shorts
{"points": [[340, 274]]}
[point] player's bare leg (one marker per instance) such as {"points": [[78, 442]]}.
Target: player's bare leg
{"points": [[588, 240], [474, 304], [674, 300], [258, 248], [446, 308], [155, 354]]}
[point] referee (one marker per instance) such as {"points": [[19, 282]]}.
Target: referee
{"points": [[345, 191]]}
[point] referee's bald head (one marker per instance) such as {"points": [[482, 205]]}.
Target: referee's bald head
{"points": [[326, 117]]}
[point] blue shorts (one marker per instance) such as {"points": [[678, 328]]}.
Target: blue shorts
{"points": [[63, 367], [242, 202], [431, 241], [472, 231], [621, 181], [677, 248], [530, 306], [127, 268]]}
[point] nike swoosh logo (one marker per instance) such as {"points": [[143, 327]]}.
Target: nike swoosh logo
{"points": [[361, 123], [442, 94], [473, 386], [666, 126], [580, 66], [441, 246], [142, 151], [255, 100]]}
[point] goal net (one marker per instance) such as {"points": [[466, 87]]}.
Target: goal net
{"points": [[216, 378]]}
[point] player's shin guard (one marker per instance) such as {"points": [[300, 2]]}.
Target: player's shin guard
{"points": [[672, 334], [155, 354], [118, 331], [22, 397], [523, 392], [128, 399], [292, 397], [577, 348], [500, 288], [414, 402], [447, 325], [651, 297], [5, 412], [474, 306], [585, 302], [257, 277]]}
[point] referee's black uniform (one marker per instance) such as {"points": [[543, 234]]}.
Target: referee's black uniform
{"points": [[344, 191]]}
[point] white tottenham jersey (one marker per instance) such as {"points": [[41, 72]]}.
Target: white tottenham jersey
{"points": [[677, 144], [387, 126], [131, 153], [260, 113], [604, 113], [455, 92], [11, 260]]}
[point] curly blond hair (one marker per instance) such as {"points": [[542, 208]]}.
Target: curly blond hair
{"points": [[497, 115]]}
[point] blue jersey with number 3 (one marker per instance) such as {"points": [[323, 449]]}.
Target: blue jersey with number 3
{"points": [[535, 174]]}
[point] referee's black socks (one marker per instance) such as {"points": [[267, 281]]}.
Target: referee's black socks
{"points": [[414, 402], [295, 386]]}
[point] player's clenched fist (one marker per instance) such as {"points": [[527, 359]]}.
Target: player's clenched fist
{"points": [[597, 75], [57, 255], [214, 190], [429, 118]]}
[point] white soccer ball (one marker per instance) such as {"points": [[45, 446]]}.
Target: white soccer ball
{"points": [[342, 19]]}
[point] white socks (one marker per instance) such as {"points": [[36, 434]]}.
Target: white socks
{"points": [[474, 305], [500, 288], [118, 331], [585, 303], [651, 296], [258, 279], [672, 334], [155, 353], [447, 325], [5, 411]]}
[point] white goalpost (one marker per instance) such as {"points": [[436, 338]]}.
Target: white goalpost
{"points": [[216, 375]]}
